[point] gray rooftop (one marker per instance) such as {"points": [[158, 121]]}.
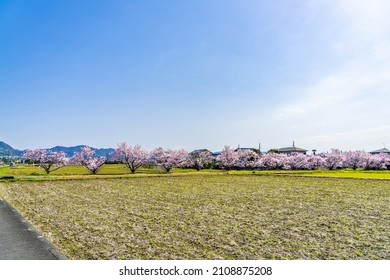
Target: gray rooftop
{"points": [[199, 151], [246, 149], [383, 150], [292, 149]]}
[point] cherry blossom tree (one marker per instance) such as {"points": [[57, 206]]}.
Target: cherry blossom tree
{"points": [[377, 161], [272, 161], [132, 157], [168, 159], [383, 161], [86, 157], [315, 162], [198, 160], [46, 159], [334, 159], [227, 159], [247, 159], [355, 159], [296, 161]]}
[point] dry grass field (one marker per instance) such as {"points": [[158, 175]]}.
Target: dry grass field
{"points": [[206, 216]]}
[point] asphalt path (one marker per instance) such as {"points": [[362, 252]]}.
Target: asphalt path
{"points": [[20, 241]]}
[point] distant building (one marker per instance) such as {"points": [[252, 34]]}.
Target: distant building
{"points": [[381, 151], [198, 151], [256, 150], [247, 149], [293, 149], [215, 154]]}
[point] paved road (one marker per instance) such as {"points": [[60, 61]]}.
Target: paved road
{"points": [[19, 241]]}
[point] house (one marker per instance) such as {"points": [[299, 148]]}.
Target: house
{"points": [[256, 150], [293, 149], [381, 151]]}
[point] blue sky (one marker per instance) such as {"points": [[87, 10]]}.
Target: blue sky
{"points": [[195, 74]]}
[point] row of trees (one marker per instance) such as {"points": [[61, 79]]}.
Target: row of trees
{"points": [[135, 157], [51, 161]]}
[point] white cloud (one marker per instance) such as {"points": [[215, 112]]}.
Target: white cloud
{"points": [[361, 139], [349, 107], [357, 80], [365, 19]]}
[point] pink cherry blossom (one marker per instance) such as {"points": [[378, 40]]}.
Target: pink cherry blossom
{"points": [[198, 160], [355, 159], [227, 159], [296, 161], [86, 157], [334, 159], [168, 159], [247, 159], [315, 162], [46, 159], [272, 161], [132, 157]]}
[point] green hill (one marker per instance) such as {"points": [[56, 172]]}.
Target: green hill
{"points": [[7, 150]]}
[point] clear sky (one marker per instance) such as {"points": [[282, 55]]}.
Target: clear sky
{"points": [[195, 74]]}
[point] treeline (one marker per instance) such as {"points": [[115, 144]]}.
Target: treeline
{"points": [[166, 159]]}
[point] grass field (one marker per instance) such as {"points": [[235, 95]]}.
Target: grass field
{"points": [[29, 170], [206, 216], [356, 174], [31, 173]]}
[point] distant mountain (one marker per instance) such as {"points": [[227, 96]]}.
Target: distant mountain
{"points": [[7, 150], [69, 151]]}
